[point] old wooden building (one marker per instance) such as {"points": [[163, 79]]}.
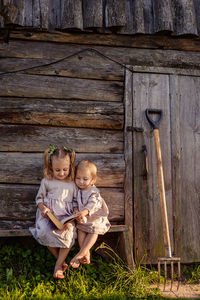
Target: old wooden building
{"points": [[81, 73]]}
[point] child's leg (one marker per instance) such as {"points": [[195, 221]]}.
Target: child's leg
{"points": [[58, 270], [81, 237], [55, 252], [89, 241]]}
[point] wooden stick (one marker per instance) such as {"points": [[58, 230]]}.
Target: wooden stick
{"points": [[161, 187]]}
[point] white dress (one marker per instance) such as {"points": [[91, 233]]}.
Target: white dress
{"points": [[97, 220], [57, 196]]}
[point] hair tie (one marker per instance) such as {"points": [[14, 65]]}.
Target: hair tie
{"points": [[67, 149], [54, 147]]}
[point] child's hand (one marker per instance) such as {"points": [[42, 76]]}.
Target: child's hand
{"points": [[82, 215], [75, 210], [44, 212]]}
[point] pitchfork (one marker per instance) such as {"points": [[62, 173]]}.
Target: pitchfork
{"points": [[168, 259]]}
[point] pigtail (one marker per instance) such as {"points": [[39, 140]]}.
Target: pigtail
{"points": [[72, 163], [47, 168]]}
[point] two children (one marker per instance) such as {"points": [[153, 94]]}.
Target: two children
{"points": [[59, 194]]}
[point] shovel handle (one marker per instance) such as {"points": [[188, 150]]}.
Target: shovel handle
{"points": [[154, 124]]}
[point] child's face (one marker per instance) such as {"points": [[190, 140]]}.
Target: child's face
{"points": [[84, 179], [61, 168]]}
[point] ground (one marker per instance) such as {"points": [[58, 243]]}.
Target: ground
{"points": [[185, 291]]}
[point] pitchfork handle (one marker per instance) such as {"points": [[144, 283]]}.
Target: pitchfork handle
{"points": [[161, 185]]}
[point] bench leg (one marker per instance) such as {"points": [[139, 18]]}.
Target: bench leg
{"points": [[126, 249]]}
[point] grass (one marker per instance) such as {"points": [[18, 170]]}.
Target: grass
{"points": [[26, 273]]}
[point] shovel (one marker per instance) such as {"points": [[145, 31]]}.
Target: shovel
{"points": [[168, 259]]}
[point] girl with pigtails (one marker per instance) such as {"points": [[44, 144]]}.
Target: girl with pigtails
{"points": [[57, 194]]}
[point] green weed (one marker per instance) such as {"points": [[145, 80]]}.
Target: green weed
{"points": [[26, 273]]}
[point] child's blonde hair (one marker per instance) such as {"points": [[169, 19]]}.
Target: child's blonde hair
{"points": [[89, 165], [58, 152]]}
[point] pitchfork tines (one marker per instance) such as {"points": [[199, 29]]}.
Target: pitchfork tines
{"points": [[169, 261]]}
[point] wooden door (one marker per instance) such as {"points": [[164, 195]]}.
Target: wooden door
{"points": [[178, 97]]}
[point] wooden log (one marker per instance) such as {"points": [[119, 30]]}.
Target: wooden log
{"points": [[82, 66], [17, 202], [88, 114], [28, 138], [60, 106], [19, 85], [160, 41], [27, 168], [127, 56]]}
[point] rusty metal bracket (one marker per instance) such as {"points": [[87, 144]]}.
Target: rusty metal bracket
{"points": [[132, 128]]}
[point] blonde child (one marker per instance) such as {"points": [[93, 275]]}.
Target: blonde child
{"points": [[56, 193], [90, 205]]}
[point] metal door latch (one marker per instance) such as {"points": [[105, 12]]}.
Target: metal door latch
{"points": [[137, 129]]}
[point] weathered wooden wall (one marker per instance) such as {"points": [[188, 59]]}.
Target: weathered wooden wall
{"points": [[86, 102], [78, 103]]}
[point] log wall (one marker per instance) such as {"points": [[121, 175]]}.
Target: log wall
{"points": [[77, 103], [86, 102]]}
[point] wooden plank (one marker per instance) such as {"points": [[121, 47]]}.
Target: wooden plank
{"points": [[27, 168], [17, 202], [54, 14], [185, 17], [186, 173], [128, 152], [149, 90], [88, 114], [92, 14], [126, 238], [28, 138], [9, 231], [28, 13], [36, 14], [134, 18], [82, 66], [161, 41], [71, 14], [163, 16], [20, 85], [115, 13]]}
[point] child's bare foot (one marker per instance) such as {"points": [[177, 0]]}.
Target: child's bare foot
{"points": [[64, 267], [58, 273], [75, 262], [85, 259]]}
